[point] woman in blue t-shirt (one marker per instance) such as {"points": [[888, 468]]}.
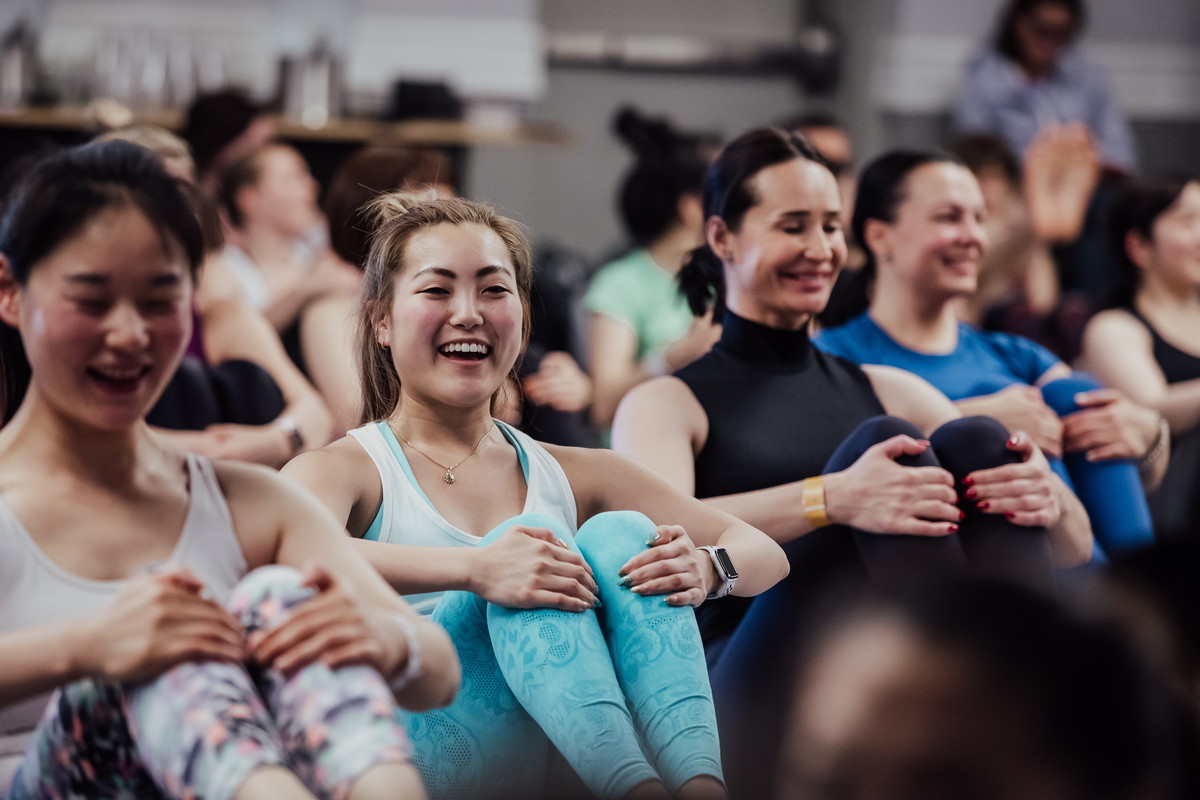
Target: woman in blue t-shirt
{"points": [[919, 216]]}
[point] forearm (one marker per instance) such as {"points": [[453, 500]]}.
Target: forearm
{"points": [[39, 660], [759, 561], [1180, 404], [312, 418], [1153, 466], [777, 511], [286, 306], [1071, 540], [438, 678], [609, 387], [410, 569]]}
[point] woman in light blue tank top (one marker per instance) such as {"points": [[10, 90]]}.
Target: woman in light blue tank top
{"points": [[581, 640]]}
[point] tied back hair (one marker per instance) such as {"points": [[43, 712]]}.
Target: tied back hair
{"points": [[1140, 202], [393, 220], [729, 192], [882, 187], [60, 194], [668, 167]]}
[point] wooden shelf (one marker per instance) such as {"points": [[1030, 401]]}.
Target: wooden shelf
{"points": [[416, 131]]}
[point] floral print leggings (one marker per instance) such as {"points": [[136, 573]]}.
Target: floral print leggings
{"points": [[200, 729]]}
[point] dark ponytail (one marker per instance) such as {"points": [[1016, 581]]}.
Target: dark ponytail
{"points": [[702, 282], [668, 168], [881, 190], [729, 193]]}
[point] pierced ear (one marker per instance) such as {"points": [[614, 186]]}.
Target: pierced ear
{"points": [[382, 333], [1138, 249], [877, 236], [719, 239], [10, 294]]}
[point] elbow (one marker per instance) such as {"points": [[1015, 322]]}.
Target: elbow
{"points": [[781, 565], [443, 675], [1074, 548]]}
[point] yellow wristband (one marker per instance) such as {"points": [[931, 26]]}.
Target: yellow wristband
{"points": [[813, 501]]}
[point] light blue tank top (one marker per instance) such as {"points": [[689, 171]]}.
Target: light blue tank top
{"points": [[406, 515]]}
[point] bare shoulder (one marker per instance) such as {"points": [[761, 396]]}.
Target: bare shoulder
{"points": [[1115, 324], [259, 501], [343, 461], [661, 403], [910, 396], [579, 460], [666, 391], [344, 478]]}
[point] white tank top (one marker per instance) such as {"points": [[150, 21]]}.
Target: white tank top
{"points": [[406, 516], [36, 591]]}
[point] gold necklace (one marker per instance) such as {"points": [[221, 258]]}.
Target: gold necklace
{"points": [[449, 477]]}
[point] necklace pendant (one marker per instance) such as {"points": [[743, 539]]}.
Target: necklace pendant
{"points": [[449, 477]]}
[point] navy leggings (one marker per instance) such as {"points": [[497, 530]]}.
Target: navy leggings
{"points": [[755, 669]]}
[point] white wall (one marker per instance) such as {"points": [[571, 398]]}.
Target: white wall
{"points": [[568, 193]]}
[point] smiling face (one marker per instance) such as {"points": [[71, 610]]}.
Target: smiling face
{"points": [[1173, 253], [104, 318], [781, 261], [454, 328], [934, 246]]}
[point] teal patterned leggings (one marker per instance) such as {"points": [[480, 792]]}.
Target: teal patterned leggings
{"points": [[622, 692], [200, 729]]}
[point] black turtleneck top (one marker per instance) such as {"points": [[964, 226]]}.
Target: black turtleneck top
{"points": [[777, 408]]}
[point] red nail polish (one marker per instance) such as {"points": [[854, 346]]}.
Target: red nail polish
{"points": [[962, 515], [1010, 516], [982, 505], [953, 528], [970, 494], [1012, 441], [968, 481]]}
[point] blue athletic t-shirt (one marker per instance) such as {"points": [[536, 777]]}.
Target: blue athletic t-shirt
{"points": [[984, 362]]}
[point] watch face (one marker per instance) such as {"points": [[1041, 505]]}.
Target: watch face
{"points": [[726, 563]]}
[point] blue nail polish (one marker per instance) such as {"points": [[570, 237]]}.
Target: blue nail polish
{"points": [[652, 538]]}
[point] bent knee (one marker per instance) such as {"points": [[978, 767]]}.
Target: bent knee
{"points": [[874, 430], [615, 531], [528, 520], [264, 594], [1060, 394]]}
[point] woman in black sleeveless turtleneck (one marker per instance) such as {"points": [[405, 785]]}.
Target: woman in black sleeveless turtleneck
{"points": [[753, 425], [1145, 343], [793, 440]]}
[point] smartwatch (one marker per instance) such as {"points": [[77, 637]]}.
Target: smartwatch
{"points": [[727, 573]]}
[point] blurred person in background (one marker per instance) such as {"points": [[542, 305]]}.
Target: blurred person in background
{"points": [[236, 394], [1018, 282], [327, 325], [919, 215], [1029, 78], [275, 258], [1057, 112], [1147, 344], [639, 326], [977, 690], [221, 127]]}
